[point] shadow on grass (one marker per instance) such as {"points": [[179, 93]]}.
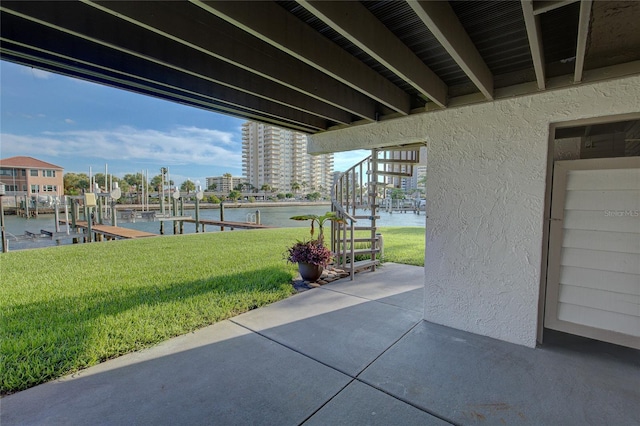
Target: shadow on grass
{"points": [[45, 340]]}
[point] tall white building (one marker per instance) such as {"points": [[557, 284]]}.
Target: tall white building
{"points": [[278, 158]]}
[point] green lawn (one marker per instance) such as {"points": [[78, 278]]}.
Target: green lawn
{"points": [[70, 307]]}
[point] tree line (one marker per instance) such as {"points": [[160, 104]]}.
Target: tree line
{"points": [[78, 183]]}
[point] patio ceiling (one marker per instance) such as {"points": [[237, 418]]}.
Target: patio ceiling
{"points": [[315, 66]]}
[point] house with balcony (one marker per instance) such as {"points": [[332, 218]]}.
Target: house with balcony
{"points": [[26, 177]]}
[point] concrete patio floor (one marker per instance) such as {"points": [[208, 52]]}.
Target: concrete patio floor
{"points": [[347, 353]]}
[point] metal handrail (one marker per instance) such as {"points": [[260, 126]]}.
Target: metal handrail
{"points": [[341, 253], [347, 194], [339, 230]]}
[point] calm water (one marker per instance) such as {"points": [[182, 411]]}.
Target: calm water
{"points": [[271, 216]]}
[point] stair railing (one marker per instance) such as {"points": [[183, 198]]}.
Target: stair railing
{"points": [[347, 194], [357, 188], [340, 233]]}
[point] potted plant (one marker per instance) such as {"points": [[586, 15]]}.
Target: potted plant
{"points": [[312, 256]]}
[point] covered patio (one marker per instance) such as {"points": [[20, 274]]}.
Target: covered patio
{"points": [[490, 87], [494, 89], [350, 352]]}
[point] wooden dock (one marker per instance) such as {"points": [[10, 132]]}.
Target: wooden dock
{"points": [[226, 224], [113, 232]]}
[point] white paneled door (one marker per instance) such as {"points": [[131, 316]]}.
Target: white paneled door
{"points": [[593, 283]]}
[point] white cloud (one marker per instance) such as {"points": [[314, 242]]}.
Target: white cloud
{"points": [[28, 116], [183, 145], [69, 121]]}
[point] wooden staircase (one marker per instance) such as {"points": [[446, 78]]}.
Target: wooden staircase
{"points": [[356, 197]]}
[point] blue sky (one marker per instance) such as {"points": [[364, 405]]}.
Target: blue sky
{"points": [[77, 125]]}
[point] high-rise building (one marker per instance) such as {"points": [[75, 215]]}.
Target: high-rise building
{"points": [[278, 158]]}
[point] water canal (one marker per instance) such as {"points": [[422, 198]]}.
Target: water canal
{"points": [[271, 216]]}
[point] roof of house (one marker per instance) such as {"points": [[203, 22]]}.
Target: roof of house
{"points": [[27, 162]]}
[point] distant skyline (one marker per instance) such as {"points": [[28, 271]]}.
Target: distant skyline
{"points": [[80, 125]]}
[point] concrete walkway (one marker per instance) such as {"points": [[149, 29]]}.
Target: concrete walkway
{"points": [[348, 353]]}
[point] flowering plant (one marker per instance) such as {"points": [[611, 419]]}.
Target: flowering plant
{"points": [[312, 251]]}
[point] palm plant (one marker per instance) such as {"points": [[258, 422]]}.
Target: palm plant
{"points": [[320, 220]]}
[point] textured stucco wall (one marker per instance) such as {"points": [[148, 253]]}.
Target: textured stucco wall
{"points": [[486, 183]]}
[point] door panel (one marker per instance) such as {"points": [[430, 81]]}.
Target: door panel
{"points": [[593, 284]]}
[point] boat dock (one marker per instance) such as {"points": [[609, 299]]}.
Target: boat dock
{"points": [[113, 232], [225, 223]]}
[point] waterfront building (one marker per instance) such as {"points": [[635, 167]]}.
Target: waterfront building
{"points": [[225, 183], [278, 158], [418, 179], [29, 177]]}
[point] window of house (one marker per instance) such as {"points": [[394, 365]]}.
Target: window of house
{"points": [[33, 172], [24, 172], [48, 173], [35, 189]]}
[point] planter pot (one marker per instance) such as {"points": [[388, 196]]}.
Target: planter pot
{"points": [[310, 272]]}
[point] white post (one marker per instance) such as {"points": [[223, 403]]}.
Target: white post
{"points": [[146, 188], [169, 185], [162, 187], [66, 213], [106, 188], [56, 205], [141, 190]]}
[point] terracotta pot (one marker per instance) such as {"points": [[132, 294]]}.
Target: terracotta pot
{"points": [[310, 272]]}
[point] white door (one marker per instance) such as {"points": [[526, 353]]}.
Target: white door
{"points": [[593, 283]]}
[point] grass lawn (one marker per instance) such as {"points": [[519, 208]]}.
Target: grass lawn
{"points": [[403, 245], [66, 308]]}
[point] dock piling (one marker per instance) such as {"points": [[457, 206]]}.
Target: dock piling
{"points": [[221, 214]]}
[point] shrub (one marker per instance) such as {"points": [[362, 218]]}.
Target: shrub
{"points": [[312, 251]]}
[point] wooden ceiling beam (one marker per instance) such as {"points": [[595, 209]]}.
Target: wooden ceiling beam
{"points": [[583, 34], [544, 6], [186, 24], [534, 33], [71, 50], [354, 22], [443, 23], [274, 25]]}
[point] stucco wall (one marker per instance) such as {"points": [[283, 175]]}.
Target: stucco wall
{"points": [[486, 183]]}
